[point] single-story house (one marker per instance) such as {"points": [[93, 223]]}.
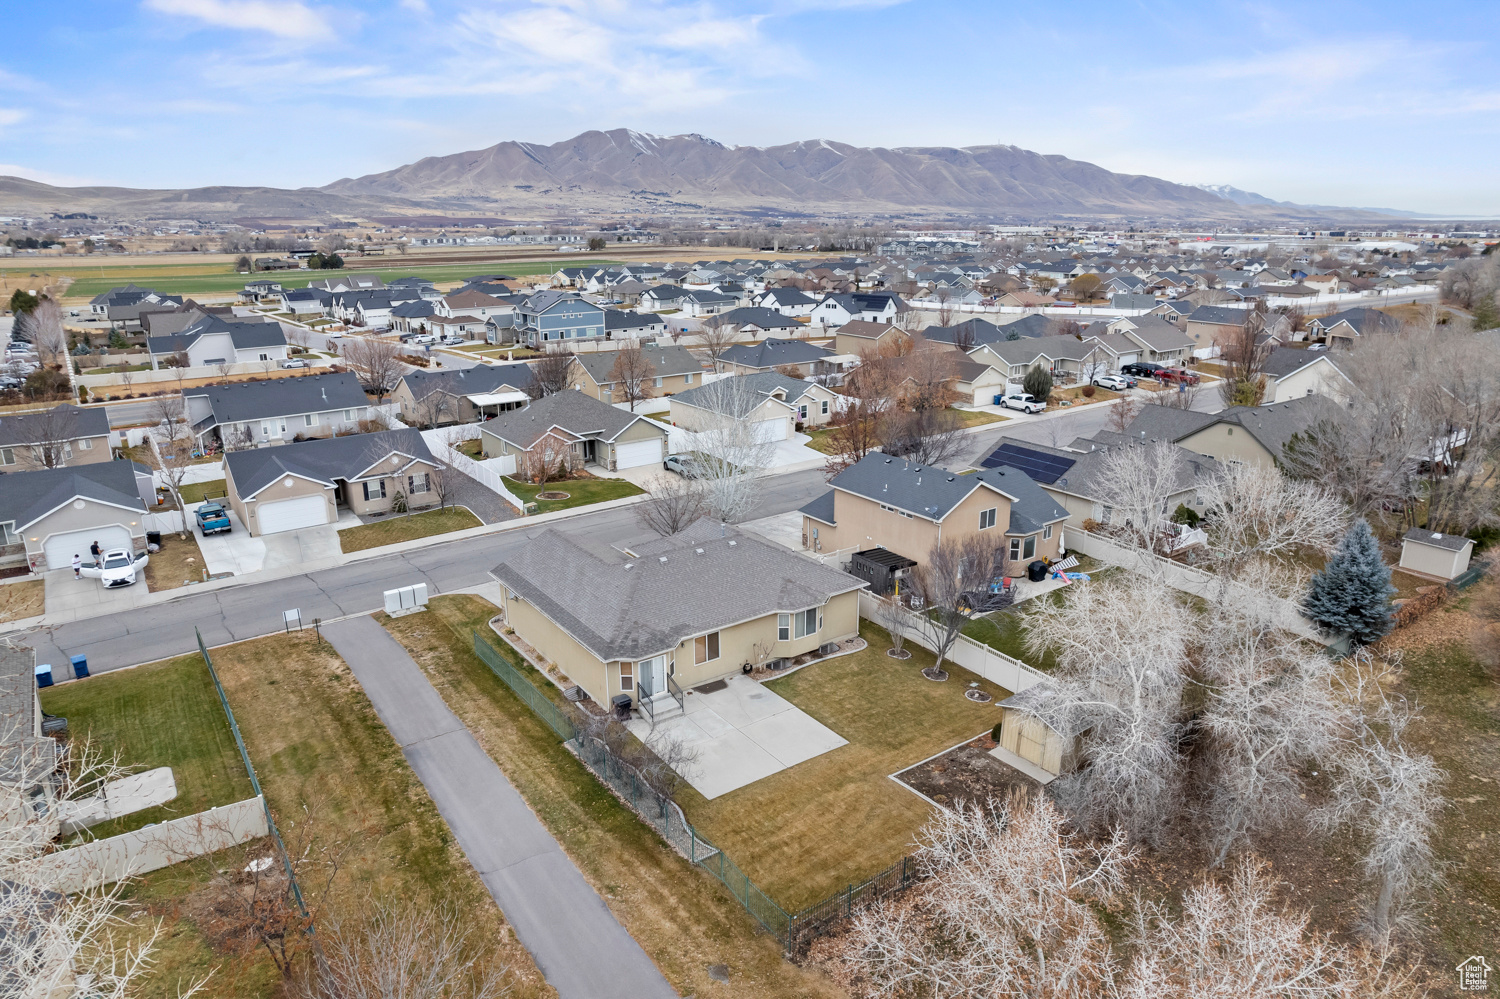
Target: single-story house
{"points": [[303, 484], [1445, 556], [756, 321], [1343, 328], [978, 382], [574, 430], [865, 339], [212, 340], [1292, 373], [676, 370], [787, 301], [53, 438], [677, 612], [772, 402], [51, 514], [773, 353], [907, 508], [1239, 434], [620, 324], [245, 414], [462, 395]]}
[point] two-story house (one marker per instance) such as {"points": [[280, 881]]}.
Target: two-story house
{"points": [[674, 369], [558, 319], [871, 307], [891, 503], [250, 414]]}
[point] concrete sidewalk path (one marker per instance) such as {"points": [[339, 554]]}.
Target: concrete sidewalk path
{"points": [[577, 943]]}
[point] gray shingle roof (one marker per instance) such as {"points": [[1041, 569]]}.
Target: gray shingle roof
{"points": [[766, 319], [25, 496], [323, 460], [932, 493], [624, 319], [675, 588], [571, 410], [726, 394], [1449, 542], [468, 381], [32, 428], [1217, 315], [669, 360], [1272, 426], [239, 402], [772, 351], [245, 336], [821, 508]]}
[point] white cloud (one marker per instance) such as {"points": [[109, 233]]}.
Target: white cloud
{"points": [[12, 116], [283, 18]]}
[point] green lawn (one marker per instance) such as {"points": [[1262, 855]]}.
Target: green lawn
{"points": [[581, 492], [1004, 632], [821, 440], [397, 528], [804, 833], [175, 279], [161, 715], [197, 492], [684, 919]]}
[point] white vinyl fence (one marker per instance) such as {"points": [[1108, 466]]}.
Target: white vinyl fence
{"points": [[976, 657], [438, 443]]}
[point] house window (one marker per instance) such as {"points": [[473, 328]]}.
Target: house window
{"points": [[986, 519], [68, 451], [88, 445], [798, 625], [265, 357], [627, 676], [1015, 549], [783, 627], [1029, 550], [706, 648], [1047, 534], [310, 420], [825, 407], [687, 379], [7, 456], [348, 415], [801, 412], [419, 484], [8, 534], [657, 381], [374, 490]]}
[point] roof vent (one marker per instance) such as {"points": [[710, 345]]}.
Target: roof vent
{"points": [[630, 565], [698, 550], [662, 559], [732, 544]]}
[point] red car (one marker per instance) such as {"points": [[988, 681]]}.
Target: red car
{"points": [[1178, 375]]}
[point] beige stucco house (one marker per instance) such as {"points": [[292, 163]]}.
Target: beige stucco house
{"points": [[1238, 435], [302, 485], [574, 430], [774, 403], [690, 609], [54, 438], [674, 369], [464, 395], [865, 339], [891, 503], [49, 515]]}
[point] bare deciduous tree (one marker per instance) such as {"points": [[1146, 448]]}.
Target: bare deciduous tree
{"points": [[932, 437], [1135, 482], [633, 372], [549, 374], [1123, 412], [48, 332], [854, 434], [674, 504], [53, 432], [1256, 512], [1244, 355], [952, 582], [716, 338], [225, 369], [376, 362], [729, 451], [893, 616]]}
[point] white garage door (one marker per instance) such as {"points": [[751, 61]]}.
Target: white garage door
{"points": [[1129, 359], [292, 514], [637, 453], [60, 548], [770, 430]]}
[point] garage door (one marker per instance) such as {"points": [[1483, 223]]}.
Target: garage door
{"points": [[637, 453], [292, 514], [770, 430], [1129, 358], [60, 548]]}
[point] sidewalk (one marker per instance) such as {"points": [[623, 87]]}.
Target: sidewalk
{"points": [[578, 945]]}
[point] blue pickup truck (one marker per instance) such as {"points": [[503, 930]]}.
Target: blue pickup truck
{"points": [[213, 519]]}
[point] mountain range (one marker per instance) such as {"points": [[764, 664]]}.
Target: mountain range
{"points": [[626, 171]]}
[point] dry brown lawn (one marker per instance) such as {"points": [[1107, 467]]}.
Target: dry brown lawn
{"points": [[178, 563], [23, 599], [684, 918]]}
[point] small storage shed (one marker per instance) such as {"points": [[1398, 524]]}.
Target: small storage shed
{"points": [[881, 568], [1445, 556], [1051, 745]]}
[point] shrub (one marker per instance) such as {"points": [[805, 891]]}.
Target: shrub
{"points": [[1185, 514], [1091, 525], [1038, 382], [1088, 391]]}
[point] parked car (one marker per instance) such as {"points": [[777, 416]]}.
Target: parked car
{"points": [[1178, 375], [1118, 383], [1023, 401], [423, 339], [682, 464], [295, 363], [452, 338], [1318, 346], [213, 519], [1142, 369], [117, 567]]}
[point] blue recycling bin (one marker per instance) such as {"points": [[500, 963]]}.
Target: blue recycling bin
{"points": [[997, 400], [44, 675], [80, 666]]}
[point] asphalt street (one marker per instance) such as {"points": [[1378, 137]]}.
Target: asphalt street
{"points": [[235, 613]]}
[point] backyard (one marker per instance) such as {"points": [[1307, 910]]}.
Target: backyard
{"points": [[582, 490], [397, 528], [334, 778], [808, 831], [685, 920]]}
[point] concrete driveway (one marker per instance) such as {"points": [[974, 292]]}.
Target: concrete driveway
{"points": [[239, 553], [236, 552], [743, 732], [310, 545], [69, 598]]}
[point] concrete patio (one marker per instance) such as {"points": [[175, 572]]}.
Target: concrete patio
{"points": [[742, 732]]}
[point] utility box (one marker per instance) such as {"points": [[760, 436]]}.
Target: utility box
{"points": [[80, 666], [406, 600]]}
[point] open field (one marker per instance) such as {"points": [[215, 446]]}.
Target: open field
{"points": [[806, 832], [336, 782], [683, 918], [397, 528]]}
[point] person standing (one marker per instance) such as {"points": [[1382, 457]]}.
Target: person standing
{"points": [[94, 551], [77, 566]]}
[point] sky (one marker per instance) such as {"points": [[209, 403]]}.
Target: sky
{"points": [[1359, 104]]}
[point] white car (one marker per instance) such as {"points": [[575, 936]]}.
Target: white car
{"points": [[1023, 401], [1116, 382], [117, 567], [422, 339], [294, 364]]}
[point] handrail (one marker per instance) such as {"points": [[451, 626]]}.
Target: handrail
{"points": [[676, 692]]}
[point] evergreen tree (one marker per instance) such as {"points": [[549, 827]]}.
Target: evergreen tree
{"points": [[1353, 592], [1038, 382]]}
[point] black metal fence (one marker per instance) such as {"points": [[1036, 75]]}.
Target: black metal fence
{"points": [[1469, 577], [794, 930]]}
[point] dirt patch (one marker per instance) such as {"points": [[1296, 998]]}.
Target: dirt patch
{"points": [[967, 774], [935, 674]]}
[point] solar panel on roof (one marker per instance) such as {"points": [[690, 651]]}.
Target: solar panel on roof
{"points": [[1039, 465]]}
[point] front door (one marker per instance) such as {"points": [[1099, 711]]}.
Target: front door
{"points": [[588, 451]]}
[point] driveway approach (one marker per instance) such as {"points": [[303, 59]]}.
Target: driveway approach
{"points": [[577, 943]]}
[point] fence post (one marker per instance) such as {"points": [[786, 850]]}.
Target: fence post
{"points": [[693, 839]]}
